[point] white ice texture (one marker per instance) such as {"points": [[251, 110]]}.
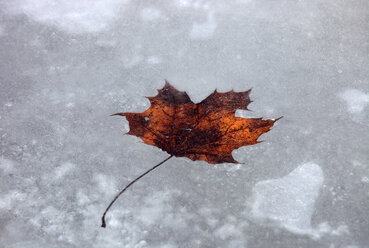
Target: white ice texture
{"points": [[65, 66], [82, 16], [356, 100], [290, 201]]}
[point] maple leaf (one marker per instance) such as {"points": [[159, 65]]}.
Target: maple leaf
{"points": [[207, 131]]}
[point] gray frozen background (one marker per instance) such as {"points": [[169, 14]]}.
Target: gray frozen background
{"points": [[65, 67]]}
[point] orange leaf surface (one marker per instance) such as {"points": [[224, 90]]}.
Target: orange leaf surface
{"points": [[207, 131]]}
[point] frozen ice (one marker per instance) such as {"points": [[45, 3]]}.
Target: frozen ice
{"points": [[290, 201], [81, 16], [8, 200], [154, 60], [6, 165], [356, 100], [365, 179], [63, 170], [227, 231], [205, 30], [66, 66], [2, 30], [150, 14]]}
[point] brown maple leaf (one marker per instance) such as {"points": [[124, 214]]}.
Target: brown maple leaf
{"points": [[207, 131]]}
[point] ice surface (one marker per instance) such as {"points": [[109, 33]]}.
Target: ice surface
{"points": [[2, 31], [356, 100], [6, 165], [290, 201], [74, 16], [202, 31], [150, 14], [63, 170], [66, 66]]}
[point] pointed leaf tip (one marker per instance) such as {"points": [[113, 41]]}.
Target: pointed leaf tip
{"points": [[121, 114], [167, 84]]}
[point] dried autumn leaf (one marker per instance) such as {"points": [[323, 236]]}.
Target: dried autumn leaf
{"points": [[207, 131]]}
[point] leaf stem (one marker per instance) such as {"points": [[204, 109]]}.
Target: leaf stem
{"points": [[103, 224]]}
